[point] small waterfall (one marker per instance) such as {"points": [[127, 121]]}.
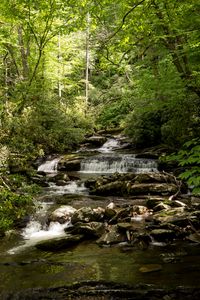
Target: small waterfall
{"points": [[73, 187], [37, 230], [121, 163], [109, 146], [49, 166]]}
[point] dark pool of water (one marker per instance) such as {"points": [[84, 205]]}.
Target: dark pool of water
{"points": [[30, 268]]}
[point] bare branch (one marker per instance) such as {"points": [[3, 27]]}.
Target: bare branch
{"points": [[124, 19]]}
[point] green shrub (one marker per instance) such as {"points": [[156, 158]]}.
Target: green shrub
{"points": [[189, 158], [144, 128], [13, 207]]}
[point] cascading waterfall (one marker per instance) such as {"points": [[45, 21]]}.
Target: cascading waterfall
{"points": [[72, 187], [49, 166], [110, 146], [105, 163], [37, 230], [121, 163]]}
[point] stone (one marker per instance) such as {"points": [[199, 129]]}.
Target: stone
{"points": [[150, 268], [111, 205], [85, 215], [109, 189], [140, 209], [152, 189], [69, 165], [152, 202], [162, 235], [112, 236], [96, 140], [60, 177], [40, 180], [62, 214], [109, 213], [59, 243], [125, 226], [161, 206], [89, 230]]}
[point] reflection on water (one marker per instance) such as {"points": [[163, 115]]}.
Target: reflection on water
{"points": [[32, 268]]}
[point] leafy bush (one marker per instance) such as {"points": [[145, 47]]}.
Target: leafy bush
{"points": [[144, 128], [47, 128], [13, 207], [189, 158], [113, 114]]}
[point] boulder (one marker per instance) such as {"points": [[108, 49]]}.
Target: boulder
{"points": [[89, 230], [176, 216], [69, 165], [140, 209], [152, 202], [152, 189], [109, 189], [96, 140], [161, 206], [87, 214], [60, 179], [163, 235], [40, 180], [154, 178], [59, 243], [109, 213], [111, 236], [62, 214]]}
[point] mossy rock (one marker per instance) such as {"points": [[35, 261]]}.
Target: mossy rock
{"points": [[60, 243]]}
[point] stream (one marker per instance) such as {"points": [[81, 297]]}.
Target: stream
{"points": [[23, 266]]}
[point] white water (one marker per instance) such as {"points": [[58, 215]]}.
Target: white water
{"points": [[109, 146], [121, 163], [49, 166], [37, 229], [70, 188], [106, 162], [35, 232]]}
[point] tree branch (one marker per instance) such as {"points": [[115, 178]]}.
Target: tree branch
{"points": [[124, 19]]}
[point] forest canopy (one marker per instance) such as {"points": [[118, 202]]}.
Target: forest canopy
{"points": [[68, 68]]}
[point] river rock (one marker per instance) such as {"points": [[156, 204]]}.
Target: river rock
{"points": [[163, 235], [89, 230], [152, 189], [62, 214], [109, 189], [109, 213], [152, 202], [40, 180], [172, 216], [111, 236], [87, 214], [69, 164], [140, 209], [59, 243], [60, 178], [151, 268], [161, 206], [96, 140]]}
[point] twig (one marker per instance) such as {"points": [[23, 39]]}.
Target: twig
{"points": [[5, 184]]}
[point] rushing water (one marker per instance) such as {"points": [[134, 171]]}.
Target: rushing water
{"points": [[23, 266], [49, 166], [121, 163]]}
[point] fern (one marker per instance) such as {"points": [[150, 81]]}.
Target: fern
{"points": [[189, 158]]}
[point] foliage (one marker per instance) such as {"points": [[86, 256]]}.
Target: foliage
{"points": [[145, 128], [189, 158], [13, 207], [152, 46], [143, 74], [50, 130]]}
